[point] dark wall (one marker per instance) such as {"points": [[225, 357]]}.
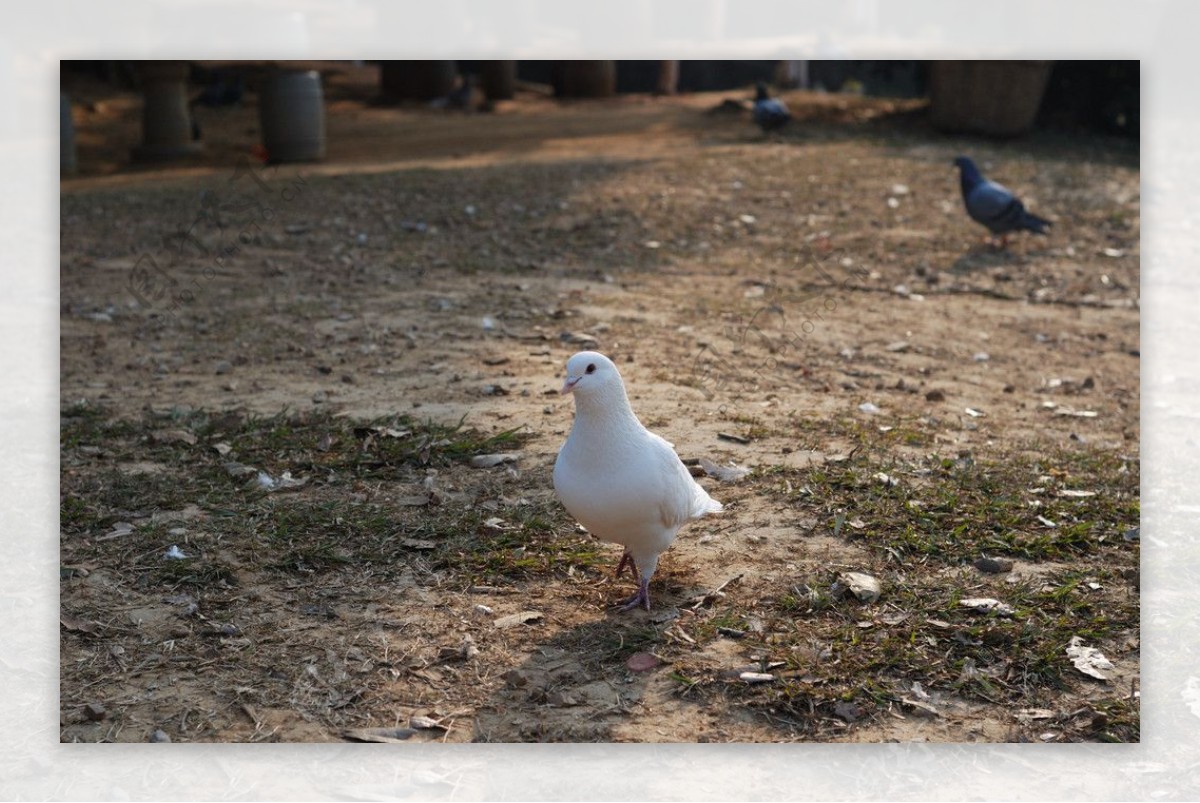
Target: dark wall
{"points": [[1094, 95]]}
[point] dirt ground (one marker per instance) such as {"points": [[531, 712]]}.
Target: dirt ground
{"points": [[813, 306]]}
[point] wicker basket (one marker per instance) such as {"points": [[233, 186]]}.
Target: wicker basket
{"points": [[998, 98]]}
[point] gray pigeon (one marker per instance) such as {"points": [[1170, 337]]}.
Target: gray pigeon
{"points": [[994, 205], [618, 479], [769, 112]]}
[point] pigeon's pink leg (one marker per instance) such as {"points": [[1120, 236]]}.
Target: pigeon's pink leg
{"points": [[642, 597], [627, 560]]}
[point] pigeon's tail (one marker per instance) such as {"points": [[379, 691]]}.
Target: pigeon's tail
{"points": [[1034, 223], [705, 504]]}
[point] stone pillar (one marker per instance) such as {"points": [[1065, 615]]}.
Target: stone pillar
{"points": [[166, 123], [67, 161], [668, 78], [498, 79], [587, 79]]}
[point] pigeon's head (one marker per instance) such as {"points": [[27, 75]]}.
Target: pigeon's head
{"points": [[968, 173], [760, 91], [589, 372]]}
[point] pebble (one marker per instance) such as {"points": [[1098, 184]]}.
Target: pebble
{"points": [[994, 565], [224, 367]]}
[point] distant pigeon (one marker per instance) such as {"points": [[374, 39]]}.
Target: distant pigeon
{"points": [[993, 205], [461, 97], [769, 112], [619, 480]]}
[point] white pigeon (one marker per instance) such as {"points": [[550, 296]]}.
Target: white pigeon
{"points": [[618, 479]]}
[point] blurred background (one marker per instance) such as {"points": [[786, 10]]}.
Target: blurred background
{"points": [[127, 115]]}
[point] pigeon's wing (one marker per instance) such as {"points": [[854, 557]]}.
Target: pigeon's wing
{"points": [[770, 110], [991, 202], [682, 497], [775, 107]]}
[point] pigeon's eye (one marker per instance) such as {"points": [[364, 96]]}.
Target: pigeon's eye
{"points": [[591, 369]]}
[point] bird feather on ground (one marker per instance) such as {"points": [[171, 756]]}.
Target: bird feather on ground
{"points": [[619, 480], [994, 205]]}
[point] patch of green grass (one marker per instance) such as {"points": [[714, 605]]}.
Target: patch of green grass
{"points": [[194, 573], [1115, 720], [529, 541], [951, 510], [617, 644], [320, 528]]}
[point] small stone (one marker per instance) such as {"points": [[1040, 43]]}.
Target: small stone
{"points": [[319, 397], [935, 395], [160, 736], [642, 662], [224, 367], [95, 712], [517, 678], [993, 565]]}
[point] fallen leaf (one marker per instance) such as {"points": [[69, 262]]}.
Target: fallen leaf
{"points": [[173, 436], [1088, 660], [863, 586], [383, 735], [121, 528], [1031, 714], [523, 617], [426, 723], [731, 473], [920, 708], [77, 625], [490, 460], [416, 543], [987, 605], [285, 482]]}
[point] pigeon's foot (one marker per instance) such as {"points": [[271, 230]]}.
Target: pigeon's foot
{"points": [[642, 597], [627, 560]]}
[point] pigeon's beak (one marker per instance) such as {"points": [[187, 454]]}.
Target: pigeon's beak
{"points": [[569, 385]]}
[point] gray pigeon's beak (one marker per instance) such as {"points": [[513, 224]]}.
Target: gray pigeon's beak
{"points": [[569, 385]]}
